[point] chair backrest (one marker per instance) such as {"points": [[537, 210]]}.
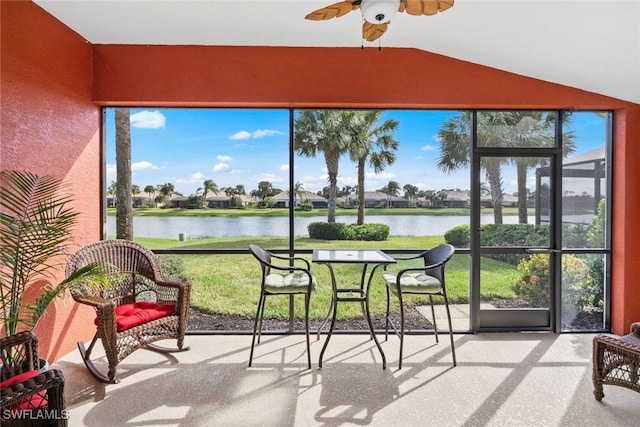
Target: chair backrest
{"points": [[441, 254], [118, 257], [260, 254]]}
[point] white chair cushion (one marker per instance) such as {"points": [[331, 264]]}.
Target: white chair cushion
{"points": [[287, 283], [413, 282]]}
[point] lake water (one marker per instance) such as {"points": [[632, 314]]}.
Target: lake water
{"points": [[194, 227]]}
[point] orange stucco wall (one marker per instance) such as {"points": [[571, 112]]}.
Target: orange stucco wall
{"points": [[50, 125], [53, 83]]}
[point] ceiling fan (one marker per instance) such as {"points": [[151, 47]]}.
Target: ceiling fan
{"points": [[378, 13]]}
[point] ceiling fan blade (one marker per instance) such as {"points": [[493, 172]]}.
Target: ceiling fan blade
{"points": [[426, 7], [335, 10], [445, 4], [371, 32]]}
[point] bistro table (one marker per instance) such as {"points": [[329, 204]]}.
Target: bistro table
{"points": [[360, 294]]}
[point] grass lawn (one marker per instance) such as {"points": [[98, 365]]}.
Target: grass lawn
{"points": [[229, 284]]}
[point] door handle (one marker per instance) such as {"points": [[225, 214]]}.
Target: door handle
{"points": [[542, 251]]}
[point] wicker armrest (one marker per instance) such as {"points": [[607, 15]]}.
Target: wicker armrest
{"points": [[19, 353]]}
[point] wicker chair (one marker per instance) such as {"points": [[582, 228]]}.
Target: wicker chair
{"points": [[138, 308], [616, 361], [427, 280], [29, 397]]}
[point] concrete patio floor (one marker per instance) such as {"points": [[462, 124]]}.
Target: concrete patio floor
{"points": [[502, 379]]}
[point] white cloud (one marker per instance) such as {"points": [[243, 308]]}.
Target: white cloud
{"points": [[428, 148], [260, 133], [243, 134], [284, 167], [223, 158], [382, 175], [148, 120], [220, 167], [194, 177], [268, 177], [143, 165], [236, 171]]}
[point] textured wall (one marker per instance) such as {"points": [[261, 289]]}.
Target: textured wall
{"points": [[50, 125]]}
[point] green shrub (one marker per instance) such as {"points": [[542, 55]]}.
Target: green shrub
{"points": [[172, 267], [576, 285], [513, 235], [340, 231], [305, 205], [459, 236], [533, 285], [326, 230]]}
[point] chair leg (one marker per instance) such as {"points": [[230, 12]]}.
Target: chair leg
{"points": [[255, 326], [386, 329], [264, 300], [401, 328], [453, 347], [433, 316], [307, 298]]}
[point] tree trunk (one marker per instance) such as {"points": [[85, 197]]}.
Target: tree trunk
{"points": [[124, 209], [494, 176], [521, 170], [361, 165], [331, 160]]}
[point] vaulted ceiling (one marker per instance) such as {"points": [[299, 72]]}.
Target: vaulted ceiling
{"points": [[587, 44]]}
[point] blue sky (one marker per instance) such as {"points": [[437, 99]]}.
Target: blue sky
{"points": [[240, 146]]}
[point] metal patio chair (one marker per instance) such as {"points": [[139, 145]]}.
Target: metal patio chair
{"points": [[426, 279], [280, 279]]}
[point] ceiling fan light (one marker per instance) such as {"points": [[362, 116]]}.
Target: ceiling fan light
{"points": [[379, 11]]}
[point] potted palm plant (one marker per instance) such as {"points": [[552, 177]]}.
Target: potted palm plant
{"points": [[36, 223]]}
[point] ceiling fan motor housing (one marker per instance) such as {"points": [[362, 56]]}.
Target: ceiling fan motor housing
{"points": [[379, 11]]}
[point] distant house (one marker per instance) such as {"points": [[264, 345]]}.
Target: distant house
{"points": [[282, 200], [373, 199], [224, 202], [462, 199], [457, 199]]}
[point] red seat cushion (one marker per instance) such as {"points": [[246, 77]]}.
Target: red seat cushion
{"points": [[36, 401], [19, 378], [138, 313]]}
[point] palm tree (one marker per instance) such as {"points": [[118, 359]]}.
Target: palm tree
{"points": [[298, 192], [150, 190], [111, 191], [209, 186], [371, 143], [166, 190], [124, 208], [455, 151], [504, 129], [328, 132], [265, 188], [532, 129], [410, 192], [391, 189]]}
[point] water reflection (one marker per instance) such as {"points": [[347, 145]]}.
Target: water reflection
{"points": [[194, 227]]}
